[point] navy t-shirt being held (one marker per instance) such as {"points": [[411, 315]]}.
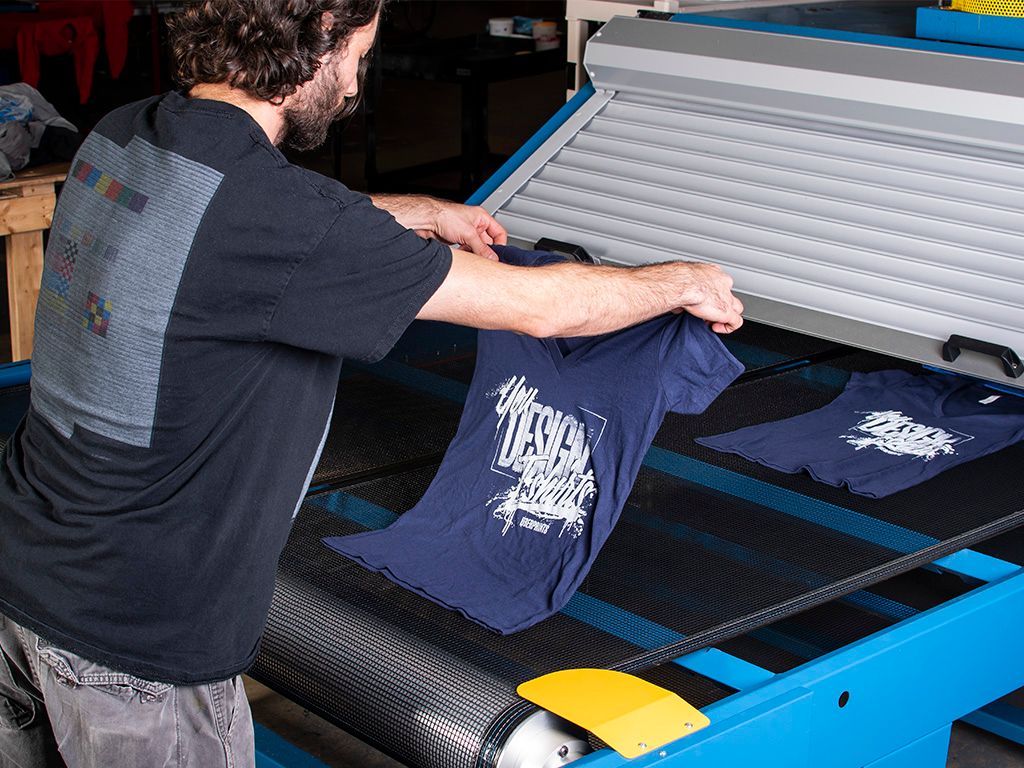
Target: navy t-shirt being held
{"points": [[549, 445]]}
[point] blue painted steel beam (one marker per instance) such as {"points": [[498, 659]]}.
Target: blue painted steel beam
{"points": [[1001, 719], [531, 146], [724, 668], [897, 538], [367, 514], [975, 565], [15, 374], [1015, 391], [274, 752], [927, 752]]}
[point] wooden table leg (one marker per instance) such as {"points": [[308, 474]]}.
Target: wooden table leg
{"points": [[24, 272], [26, 211]]}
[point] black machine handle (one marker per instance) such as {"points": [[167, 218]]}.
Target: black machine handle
{"points": [[577, 252], [1011, 361]]}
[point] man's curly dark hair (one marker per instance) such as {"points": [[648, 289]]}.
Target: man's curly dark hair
{"points": [[266, 48]]}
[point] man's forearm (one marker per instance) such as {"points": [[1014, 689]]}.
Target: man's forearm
{"points": [[582, 300], [418, 212], [579, 300]]}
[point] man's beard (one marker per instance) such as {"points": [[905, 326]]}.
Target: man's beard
{"points": [[306, 123]]}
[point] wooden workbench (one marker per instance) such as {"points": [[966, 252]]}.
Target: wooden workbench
{"points": [[26, 211]]}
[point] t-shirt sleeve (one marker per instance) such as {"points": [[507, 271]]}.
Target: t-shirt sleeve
{"points": [[360, 287], [695, 365]]}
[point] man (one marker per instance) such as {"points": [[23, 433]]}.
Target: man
{"points": [[199, 295]]}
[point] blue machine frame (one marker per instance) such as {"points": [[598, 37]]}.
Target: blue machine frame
{"points": [[886, 701]]}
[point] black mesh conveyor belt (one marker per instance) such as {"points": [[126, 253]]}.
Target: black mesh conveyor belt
{"points": [[709, 547], [378, 424], [332, 624]]}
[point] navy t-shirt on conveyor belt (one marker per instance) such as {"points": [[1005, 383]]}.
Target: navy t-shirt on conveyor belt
{"points": [[550, 442], [887, 431]]}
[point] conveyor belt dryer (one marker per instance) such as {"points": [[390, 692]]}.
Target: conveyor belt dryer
{"points": [[868, 196]]}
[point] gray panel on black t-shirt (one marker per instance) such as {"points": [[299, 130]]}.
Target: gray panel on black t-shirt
{"points": [[112, 268]]}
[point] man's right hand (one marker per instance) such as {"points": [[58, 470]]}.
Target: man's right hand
{"points": [[713, 299]]}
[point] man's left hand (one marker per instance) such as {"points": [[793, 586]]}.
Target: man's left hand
{"points": [[456, 224]]}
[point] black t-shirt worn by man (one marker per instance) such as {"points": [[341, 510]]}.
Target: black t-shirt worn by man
{"points": [[199, 294]]}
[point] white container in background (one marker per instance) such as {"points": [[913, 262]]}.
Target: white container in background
{"points": [[499, 27], [545, 35]]}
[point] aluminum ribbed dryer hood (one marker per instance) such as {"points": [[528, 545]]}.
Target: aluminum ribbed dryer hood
{"points": [[873, 195], [868, 196]]}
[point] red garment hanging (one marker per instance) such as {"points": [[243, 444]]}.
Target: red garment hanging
{"points": [[52, 37], [69, 26], [110, 17]]}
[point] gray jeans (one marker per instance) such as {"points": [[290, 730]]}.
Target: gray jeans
{"points": [[58, 709]]}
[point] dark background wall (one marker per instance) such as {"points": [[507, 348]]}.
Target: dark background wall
{"points": [[417, 120]]}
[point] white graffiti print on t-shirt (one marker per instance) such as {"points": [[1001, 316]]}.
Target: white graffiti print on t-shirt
{"points": [[547, 453], [894, 433]]}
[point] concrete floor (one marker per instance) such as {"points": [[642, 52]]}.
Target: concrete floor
{"points": [[969, 747]]}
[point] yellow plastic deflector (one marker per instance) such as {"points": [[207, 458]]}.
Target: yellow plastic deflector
{"points": [[986, 7], [628, 714]]}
